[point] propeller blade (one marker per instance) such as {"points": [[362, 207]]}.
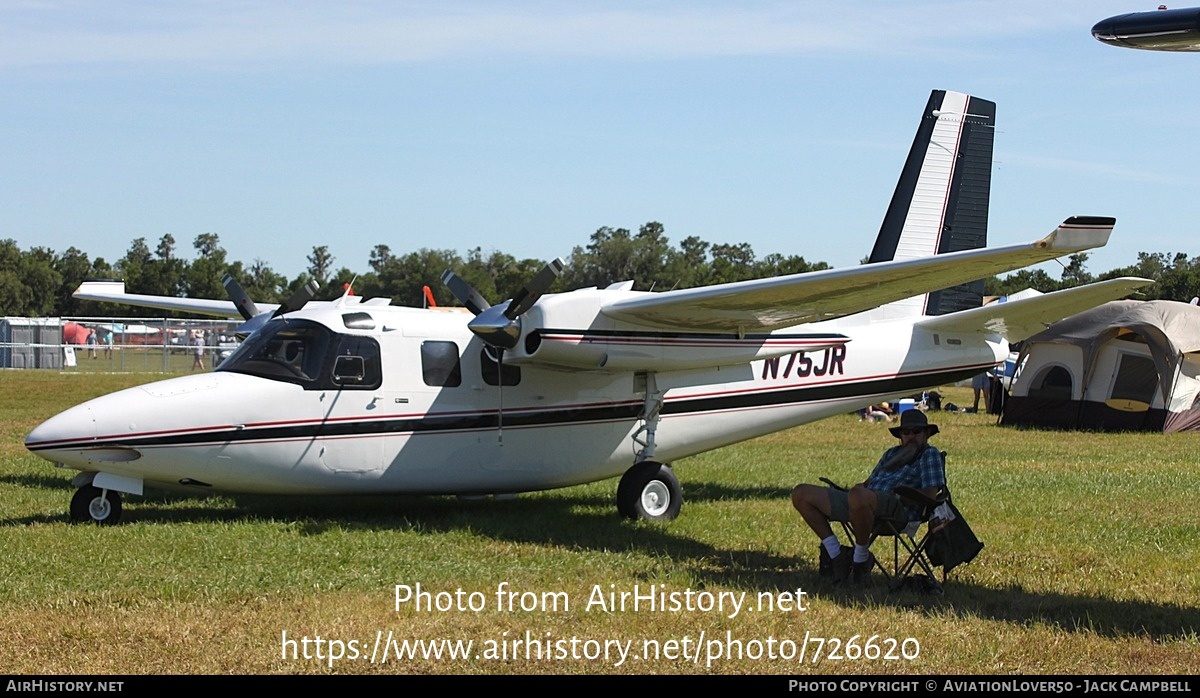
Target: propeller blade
{"points": [[254, 318], [297, 300], [465, 293], [240, 299], [532, 291]]}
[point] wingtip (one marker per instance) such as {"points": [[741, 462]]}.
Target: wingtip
{"points": [[1089, 222], [1079, 233]]}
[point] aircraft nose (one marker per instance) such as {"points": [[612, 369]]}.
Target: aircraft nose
{"points": [[1102, 30], [69, 427]]}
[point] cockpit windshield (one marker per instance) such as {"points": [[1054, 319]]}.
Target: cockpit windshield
{"points": [[308, 354]]}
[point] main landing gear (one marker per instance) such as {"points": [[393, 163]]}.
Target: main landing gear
{"points": [[92, 504], [649, 490]]}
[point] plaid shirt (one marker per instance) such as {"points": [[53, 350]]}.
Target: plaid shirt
{"points": [[928, 470]]}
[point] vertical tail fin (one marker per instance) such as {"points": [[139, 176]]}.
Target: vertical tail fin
{"points": [[941, 201]]}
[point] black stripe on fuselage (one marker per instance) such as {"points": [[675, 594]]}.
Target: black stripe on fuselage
{"points": [[622, 412], [723, 336]]}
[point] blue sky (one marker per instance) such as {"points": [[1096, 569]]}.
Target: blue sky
{"points": [[524, 126]]}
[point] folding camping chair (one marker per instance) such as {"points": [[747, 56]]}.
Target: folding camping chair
{"points": [[940, 538]]}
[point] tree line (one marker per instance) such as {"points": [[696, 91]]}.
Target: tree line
{"points": [[39, 282]]}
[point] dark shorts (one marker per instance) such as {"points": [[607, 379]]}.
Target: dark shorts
{"points": [[888, 505]]}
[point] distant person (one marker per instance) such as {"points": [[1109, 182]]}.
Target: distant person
{"points": [[197, 353], [881, 412], [91, 343], [980, 384], [108, 344], [913, 463]]}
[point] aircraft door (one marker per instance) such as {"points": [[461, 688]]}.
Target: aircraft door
{"points": [[350, 441]]}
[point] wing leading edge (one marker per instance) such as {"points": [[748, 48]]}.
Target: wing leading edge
{"points": [[114, 292], [784, 301]]}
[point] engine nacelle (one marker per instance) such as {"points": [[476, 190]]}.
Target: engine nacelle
{"points": [[569, 331]]}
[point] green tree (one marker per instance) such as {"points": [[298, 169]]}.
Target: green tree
{"points": [[74, 268], [133, 267], [204, 275], [320, 264], [261, 283], [1075, 272], [41, 282], [689, 267], [1036, 279], [12, 287], [732, 263]]}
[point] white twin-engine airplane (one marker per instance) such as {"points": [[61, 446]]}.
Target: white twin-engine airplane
{"points": [[546, 391]]}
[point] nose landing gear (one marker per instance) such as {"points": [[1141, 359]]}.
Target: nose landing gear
{"points": [[94, 505]]}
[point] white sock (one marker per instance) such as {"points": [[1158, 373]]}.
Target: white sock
{"points": [[861, 553], [832, 545]]}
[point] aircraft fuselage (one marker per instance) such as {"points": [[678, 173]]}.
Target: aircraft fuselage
{"points": [[435, 421]]}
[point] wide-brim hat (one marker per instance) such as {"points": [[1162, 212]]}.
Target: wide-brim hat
{"points": [[913, 419]]}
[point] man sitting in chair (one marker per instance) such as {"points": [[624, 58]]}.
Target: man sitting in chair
{"points": [[913, 463]]}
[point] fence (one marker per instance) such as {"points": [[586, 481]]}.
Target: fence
{"points": [[115, 344]]}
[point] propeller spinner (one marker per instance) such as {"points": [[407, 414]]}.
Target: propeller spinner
{"points": [[500, 325]]}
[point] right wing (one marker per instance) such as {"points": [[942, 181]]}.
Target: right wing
{"points": [[783, 301]]}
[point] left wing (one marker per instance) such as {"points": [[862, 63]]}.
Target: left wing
{"points": [[767, 304], [1017, 320], [114, 292]]}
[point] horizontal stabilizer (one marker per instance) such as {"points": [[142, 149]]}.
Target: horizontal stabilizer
{"points": [[1017, 320], [784, 301]]}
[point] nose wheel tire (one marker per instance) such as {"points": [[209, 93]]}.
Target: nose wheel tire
{"points": [[649, 491], [94, 505]]}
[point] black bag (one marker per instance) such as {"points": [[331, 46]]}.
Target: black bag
{"points": [[954, 545]]}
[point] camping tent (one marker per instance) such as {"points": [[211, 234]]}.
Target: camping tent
{"points": [[1122, 366]]}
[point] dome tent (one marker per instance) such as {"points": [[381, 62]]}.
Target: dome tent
{"points": [[1122, 366]]}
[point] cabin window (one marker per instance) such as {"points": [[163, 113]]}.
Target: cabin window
{"points": [[493, 374], [440, 366], [1136, 379], [1054, 383]]}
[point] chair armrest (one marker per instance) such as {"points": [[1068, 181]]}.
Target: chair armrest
{"points": [[919, 497]]}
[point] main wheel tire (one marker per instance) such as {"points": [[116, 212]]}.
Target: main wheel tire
{"points": [[94, 505], [649, 491]]}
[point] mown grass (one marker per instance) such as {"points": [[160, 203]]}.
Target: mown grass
{"points": [[1090, 565]]}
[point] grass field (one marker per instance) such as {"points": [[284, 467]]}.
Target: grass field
{"points": [[1090, 566]]}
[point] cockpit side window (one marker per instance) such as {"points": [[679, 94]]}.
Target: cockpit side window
{"points": [[310, 355], [289, 351], [357, 365]]}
